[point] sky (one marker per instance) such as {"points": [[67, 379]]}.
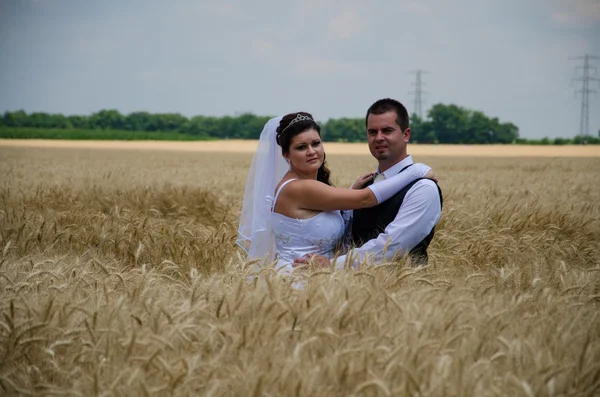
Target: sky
{"points": [[510, 59]]}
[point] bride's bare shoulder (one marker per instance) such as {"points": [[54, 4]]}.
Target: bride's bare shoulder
{"points": [[285, 181]]}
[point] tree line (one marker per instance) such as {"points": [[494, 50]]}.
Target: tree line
{"points": [[443, 124]]}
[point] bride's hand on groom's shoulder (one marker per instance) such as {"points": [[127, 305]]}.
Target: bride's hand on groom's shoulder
{"points": [[362, 181], [430, 175]]}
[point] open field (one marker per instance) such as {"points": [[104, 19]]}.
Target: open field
{"points": [[248, 146], [119, 275]]}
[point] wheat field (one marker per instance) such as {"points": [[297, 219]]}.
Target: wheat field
{"points": [[119, 276]]}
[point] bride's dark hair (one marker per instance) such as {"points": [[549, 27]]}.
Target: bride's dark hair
{"points": [[288, 130]]}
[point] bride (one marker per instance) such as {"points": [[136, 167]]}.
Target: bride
{"points": [[290, 207]]}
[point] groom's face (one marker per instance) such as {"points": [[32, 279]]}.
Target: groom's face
{"points": [[387, 141]]}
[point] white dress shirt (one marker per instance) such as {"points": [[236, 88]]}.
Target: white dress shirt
{"points": [[419, 213]]}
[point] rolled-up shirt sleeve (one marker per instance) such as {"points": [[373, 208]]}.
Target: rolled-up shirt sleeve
{"points": [[419, 213]]}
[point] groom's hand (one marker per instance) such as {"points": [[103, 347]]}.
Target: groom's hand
{"points": [[318, 261]]}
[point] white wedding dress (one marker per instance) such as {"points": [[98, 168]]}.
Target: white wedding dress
{"points": [[295, 238]]}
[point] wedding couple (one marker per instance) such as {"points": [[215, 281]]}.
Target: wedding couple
{"points": [[292, 215]]}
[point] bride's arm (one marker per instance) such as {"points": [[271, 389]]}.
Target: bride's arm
{"points": [[315, 195]]}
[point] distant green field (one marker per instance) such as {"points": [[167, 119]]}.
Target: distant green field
{"points": [[68, 134]]}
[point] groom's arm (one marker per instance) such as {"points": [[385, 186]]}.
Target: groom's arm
{"points": [[418, 214]]}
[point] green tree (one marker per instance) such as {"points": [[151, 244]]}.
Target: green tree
{"points": [[169, 122], [15, 119], [207, 126], [454, 124], [421, 130], [589, 140], [449, 122], [138, 121], [107, 119], [248, 126], [79, 122], [445, 124], [506, 133], [479, 130], [228, 127], [48, 121], [344, 130], [561, 141], [196, 127]]}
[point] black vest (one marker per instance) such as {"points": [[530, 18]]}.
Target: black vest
{"points": [[368, 223]]}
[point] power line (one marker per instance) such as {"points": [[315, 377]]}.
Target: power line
{"points": [[418, 109], [585, 92]]}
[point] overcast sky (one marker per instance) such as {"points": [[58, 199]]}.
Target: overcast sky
{"points": [[508, 58]]}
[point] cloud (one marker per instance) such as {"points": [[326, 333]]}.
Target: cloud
{"points": [[576, 12], [95, 47], [263, 47], [302, 62], [310, 65], [222, 9], [265, 51], [346, 24], [309, 8], [569, 47], [418, 8]]}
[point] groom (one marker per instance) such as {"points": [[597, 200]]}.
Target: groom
{"points": [[404, 224]]}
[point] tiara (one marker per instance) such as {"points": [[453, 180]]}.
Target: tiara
{"points": [[297, 119]]}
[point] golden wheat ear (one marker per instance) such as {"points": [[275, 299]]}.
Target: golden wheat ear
{"points": [[119, 275]]}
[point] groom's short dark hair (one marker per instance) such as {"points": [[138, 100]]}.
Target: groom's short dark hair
{"points": [[386, 105]]}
